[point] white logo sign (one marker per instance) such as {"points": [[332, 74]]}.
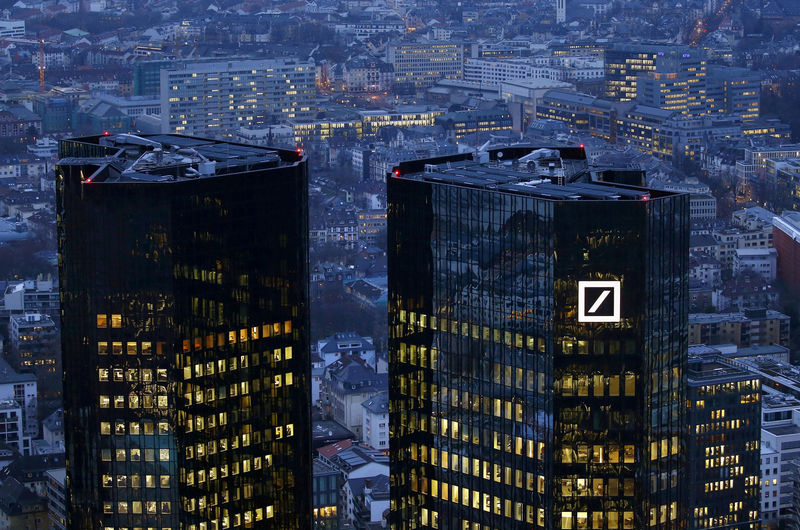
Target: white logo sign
{"points": [[598, 301]]}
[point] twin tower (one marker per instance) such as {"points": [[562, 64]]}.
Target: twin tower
{"points": [[537, 339]]}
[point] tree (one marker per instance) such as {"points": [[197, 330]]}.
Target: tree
{"points": [[783, 104], [18, 259], [330, 252], [31, 133]]}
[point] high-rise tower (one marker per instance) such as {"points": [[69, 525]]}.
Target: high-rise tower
{"points": [[183, 266], [537, 343], [561, 11]]}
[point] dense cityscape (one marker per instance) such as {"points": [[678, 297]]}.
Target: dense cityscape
{"points": [[366, 264]]}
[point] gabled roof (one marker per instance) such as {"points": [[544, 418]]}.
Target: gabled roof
{"points": [[350, 375], [379, 486], [357, 456], [331, 450], [702, 240], [377, 404], [32, 467], [14, 497]]}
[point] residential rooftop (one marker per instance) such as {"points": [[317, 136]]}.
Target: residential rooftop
{"points": [[9, 376], [377, 404], [321, 468], [779, 375], [32, 320], [782, 430]]}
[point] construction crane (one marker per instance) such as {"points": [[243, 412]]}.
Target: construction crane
{"points": [[41, 65]]}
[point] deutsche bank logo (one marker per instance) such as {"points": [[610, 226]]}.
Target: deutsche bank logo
{"points": [[598, 301]]}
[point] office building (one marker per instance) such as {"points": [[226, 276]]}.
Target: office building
{"points": [[640, 127], [522, 96], [56, 498], [779, 442], [678, 83], [12, 28], [30, 296], [218, 98], [475, 125], [183, 266], [403, 116], [595, 47], [680, 69], [326, 496], [786, 237], [18, 396], [147, 76], [776, 376], [703, 208], [493, 72], [371, 224], [724, 422], [764, 261], [731, 352], [756, 159], [735, 91], [581, 112], [363, 29], [420, 65], [35, 347], [537, 345], [732, 239]]}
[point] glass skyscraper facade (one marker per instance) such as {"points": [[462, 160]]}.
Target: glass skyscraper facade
{"points": [[537, 342], [183, 266]]}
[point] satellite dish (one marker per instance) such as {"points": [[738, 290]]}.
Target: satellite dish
{"points": [[499, 154]]}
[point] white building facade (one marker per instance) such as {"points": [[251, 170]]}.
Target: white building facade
{"points": [[219, 98]]}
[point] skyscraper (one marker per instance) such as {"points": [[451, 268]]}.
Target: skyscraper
{"points": [[183, 266], [537, 342]]}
